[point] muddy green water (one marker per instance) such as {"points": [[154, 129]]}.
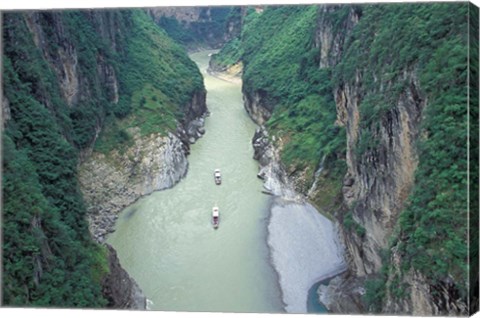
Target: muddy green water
{"points": [[166, 242]]}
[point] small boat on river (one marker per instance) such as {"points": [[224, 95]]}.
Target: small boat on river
{"points": [[215, 217], [217, 177]]}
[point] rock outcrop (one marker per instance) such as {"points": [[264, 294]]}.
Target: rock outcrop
{"points": [[110, 183], [120, 290], [275, 180], [343, 294], [381, 159], [378, 182], [191, 128], [379, 178], [257, 105]]}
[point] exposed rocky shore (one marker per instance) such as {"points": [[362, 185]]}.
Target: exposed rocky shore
{"points": [[120, 290], [232, 73], [275, 180], [296, 231], [110, 182]]}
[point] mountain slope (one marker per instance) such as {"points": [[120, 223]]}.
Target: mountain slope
{"points": [[74, 81], [368, 106]]}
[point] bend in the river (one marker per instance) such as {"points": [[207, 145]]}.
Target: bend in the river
{"points": [[166, 241]]}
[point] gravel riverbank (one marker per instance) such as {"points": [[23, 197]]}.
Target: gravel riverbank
{"points": [[305, 249]]}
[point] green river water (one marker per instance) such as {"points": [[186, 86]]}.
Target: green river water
{"points": [[166, 242]]}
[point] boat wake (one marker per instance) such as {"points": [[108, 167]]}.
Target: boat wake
{"points": [[149, 304]]}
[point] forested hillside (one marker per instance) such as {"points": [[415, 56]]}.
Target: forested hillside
{"points": [[377, 97], [70, 77]]}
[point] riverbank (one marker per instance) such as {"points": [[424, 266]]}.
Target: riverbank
{"points": [[304, 245], [304, 249], [186, 265], [231, 77]]}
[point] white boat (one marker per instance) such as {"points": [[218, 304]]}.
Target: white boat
{"points": [[217, 176], [215, 217]]}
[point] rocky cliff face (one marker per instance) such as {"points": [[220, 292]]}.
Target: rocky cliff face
{"points": [[257, 106], [275, 179], [120, 290], [69, 63], [378, 181], [381, 158], [198, 26], [155, 162], [110, 183], [380, 176], [74, 84]]}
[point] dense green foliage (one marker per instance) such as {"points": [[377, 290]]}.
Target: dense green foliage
{"points": [[432, 40], [49, 258], [474, 157], [157, 80], [230, 53], [389, 41], [281, 62]]}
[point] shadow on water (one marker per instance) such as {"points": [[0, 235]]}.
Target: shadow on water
{"points": [[129, 213]]}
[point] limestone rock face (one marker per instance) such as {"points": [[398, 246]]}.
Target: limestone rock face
{"points": [[328, 39], [342, 294], [257, 106], [378, 182], [64, 60], [121, 291], [379, 179], [110, 183], [275, 179]]}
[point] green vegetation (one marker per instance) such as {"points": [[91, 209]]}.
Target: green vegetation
{"points": [[230, 54], [49, 258], [375, 293], [430, 39], [389, 41], [474, 159], [281, 62], [157, 80]]}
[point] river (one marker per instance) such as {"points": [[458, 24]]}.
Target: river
{"points": [[166, 242]]}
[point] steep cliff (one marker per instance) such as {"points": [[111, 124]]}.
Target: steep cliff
{"points": [[367, 112], [198, 27], [391, 106], [86, 94], [119, 289]]}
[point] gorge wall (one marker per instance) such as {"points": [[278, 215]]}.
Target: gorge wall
{"points": [[99, 108], [199, 27], [358, 114]]}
